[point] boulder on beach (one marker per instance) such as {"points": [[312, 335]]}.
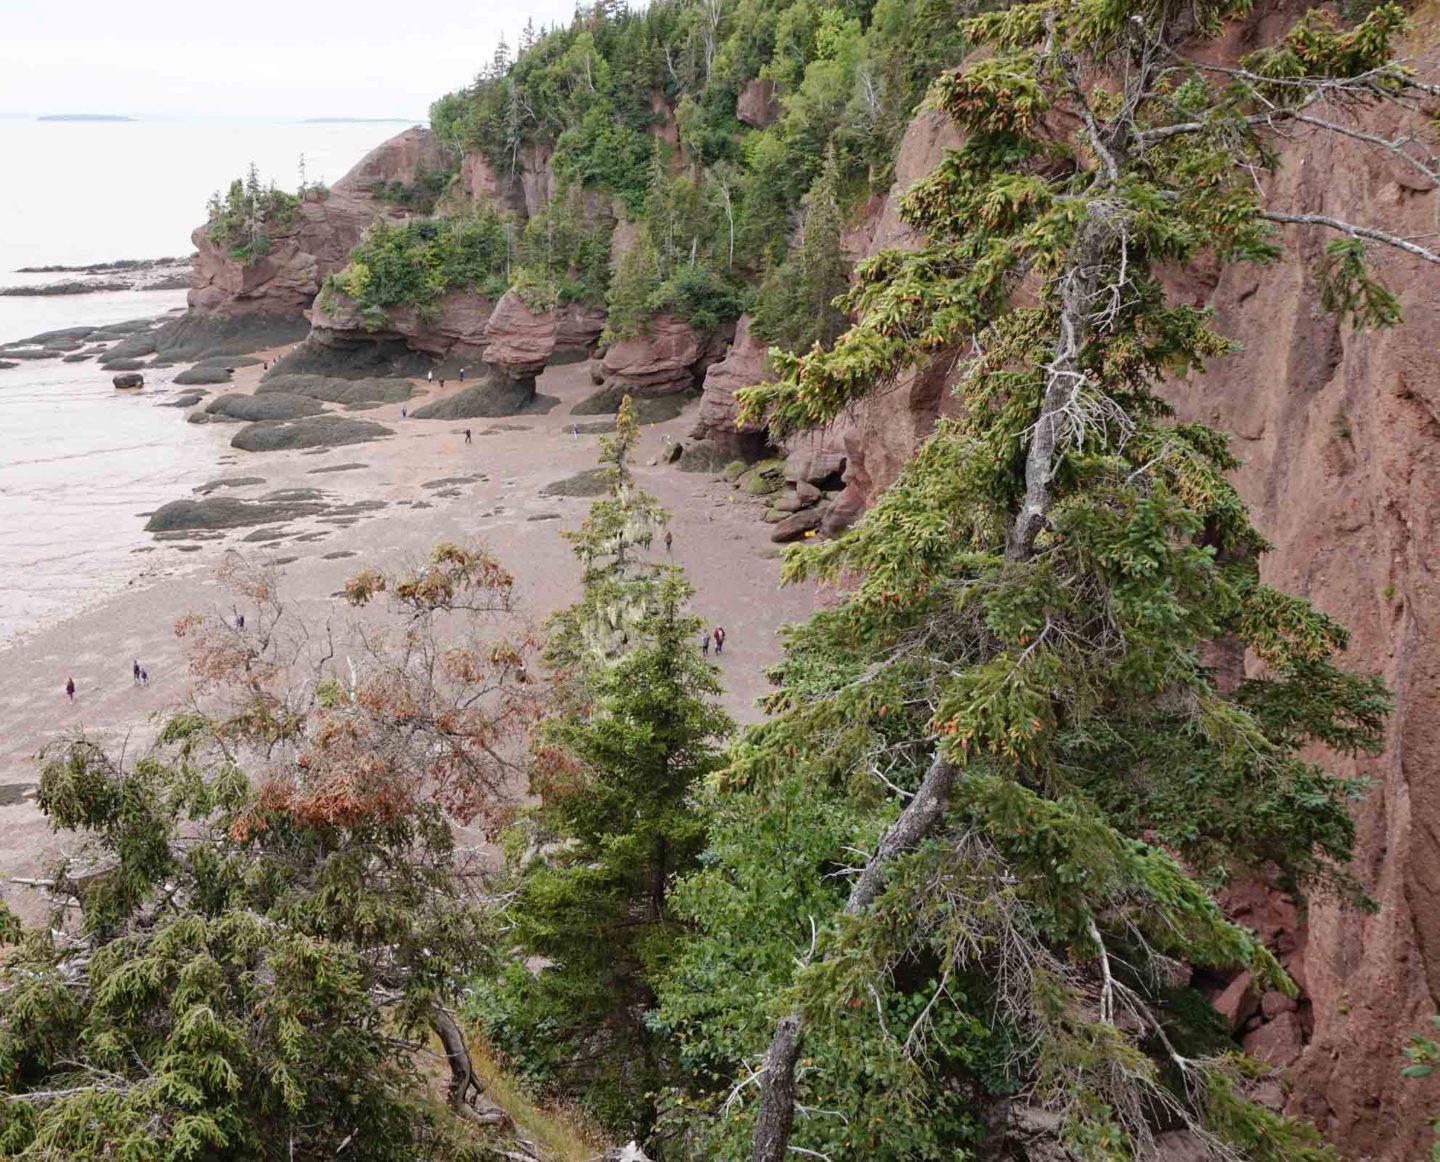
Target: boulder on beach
{"points": [[332, 389], [77, 358], [227, 512], [122, 364], [129, 379], [202, 374], [591, 482], [188, 400], [197, 337], [654, 410], [499, 396], [327, 431], [273, 405], [7, 363], [132, 347]]}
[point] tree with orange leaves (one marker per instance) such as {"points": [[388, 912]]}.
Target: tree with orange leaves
{"points": [[270, 915]]}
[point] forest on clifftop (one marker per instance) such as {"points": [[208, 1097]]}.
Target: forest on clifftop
{"points": [[956, 896]]}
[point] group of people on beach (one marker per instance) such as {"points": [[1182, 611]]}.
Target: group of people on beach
{"points": [[717, 635], [139, 675]]}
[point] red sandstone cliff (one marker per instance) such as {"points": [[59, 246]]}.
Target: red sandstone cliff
{"points": [[1340, 436], [326, 228]]}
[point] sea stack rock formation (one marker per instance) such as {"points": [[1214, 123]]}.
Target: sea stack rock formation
{"points": [[326, 226]]}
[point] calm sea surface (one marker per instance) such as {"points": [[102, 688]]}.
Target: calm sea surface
{"points": [[79, 462]]}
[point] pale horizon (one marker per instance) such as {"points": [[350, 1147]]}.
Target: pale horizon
{"points": [[158, 59]]}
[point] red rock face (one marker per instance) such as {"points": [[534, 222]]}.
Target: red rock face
{"points": [[1339, 432], [286, 281], [1340, 437], [885, 430], [744, 365], [669, 358]]}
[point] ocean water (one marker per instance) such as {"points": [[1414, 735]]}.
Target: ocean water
{"points": [[80, 462]]}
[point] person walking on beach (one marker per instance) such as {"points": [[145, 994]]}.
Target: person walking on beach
{"points": [[467, 435], [719, 639], [145, 676], [430, 376], [70, 689], [462, 375], [404, 410], [135, 672], [705, 644], [669, 541]]}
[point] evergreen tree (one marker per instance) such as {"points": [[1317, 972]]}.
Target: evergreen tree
{"points": [[796, 306], [614, 771], [963, 869], [266, 922], [617, 576], [633, 284]]}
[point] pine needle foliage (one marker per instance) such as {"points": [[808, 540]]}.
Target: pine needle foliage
{"points": [[617, 576], [957, 884], [266, 916], [592, 863]]}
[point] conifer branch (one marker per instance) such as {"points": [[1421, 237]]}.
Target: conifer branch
{"points": [[1366, 232]]}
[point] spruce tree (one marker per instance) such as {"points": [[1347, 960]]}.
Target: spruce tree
{"points": [[634, 282], [963, 869], [614, 768], [796, 306]]}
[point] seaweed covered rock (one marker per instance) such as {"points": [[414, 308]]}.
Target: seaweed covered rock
{"points": [[327, 431], [202, 374], [227, 512], [270, 406], [496, 397], [332, 389]]}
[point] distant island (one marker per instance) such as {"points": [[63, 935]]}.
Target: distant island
{"points": [[361, 120], [84, 117]]}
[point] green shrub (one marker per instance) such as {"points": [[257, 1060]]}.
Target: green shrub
{"points": [[700, 296], [249, 217], [413, 264]]}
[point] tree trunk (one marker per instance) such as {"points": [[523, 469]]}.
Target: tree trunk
{"points": [[771, 1140]]}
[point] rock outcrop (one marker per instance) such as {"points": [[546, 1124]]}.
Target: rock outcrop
{"points": [[318, 242], [1339, 434], [745, 365], [456, 328], [756, 106], [521, 340], [672, 356]]}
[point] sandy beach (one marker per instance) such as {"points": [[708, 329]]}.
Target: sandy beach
{"points": [[426, 485]]}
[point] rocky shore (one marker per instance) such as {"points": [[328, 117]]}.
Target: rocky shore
{"points": [[320, 512], [125, 274]]}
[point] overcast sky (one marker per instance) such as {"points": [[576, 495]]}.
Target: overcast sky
{"points": [[268, 58]]}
